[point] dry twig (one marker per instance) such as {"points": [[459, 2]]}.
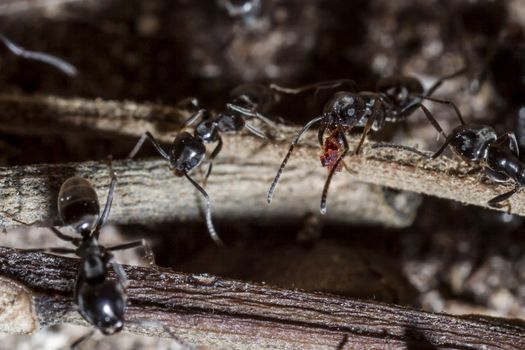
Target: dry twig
{"points": [[226, 314]]}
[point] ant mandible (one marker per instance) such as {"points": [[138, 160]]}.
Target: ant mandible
{"points": [[497, 155], [101, 301], [54, 61], [189, 150], [397, 97]]}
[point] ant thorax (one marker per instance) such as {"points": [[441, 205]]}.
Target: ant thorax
{"points": [[93, 261]]}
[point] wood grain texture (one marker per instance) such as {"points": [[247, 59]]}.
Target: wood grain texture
{"points": [[226, 314]]}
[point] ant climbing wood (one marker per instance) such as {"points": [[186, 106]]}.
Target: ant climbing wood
{"points": [[480, 145], [188, 150], [100, 300], [396, 98]]}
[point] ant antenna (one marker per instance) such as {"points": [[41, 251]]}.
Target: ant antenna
{"points": [[209, 222], [405, 148], [54, 61], [285, 160]]}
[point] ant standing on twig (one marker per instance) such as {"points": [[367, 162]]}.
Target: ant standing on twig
{"points": [[396, 99], [497, 155], [54, 61], [189, 150], [101, 301]]}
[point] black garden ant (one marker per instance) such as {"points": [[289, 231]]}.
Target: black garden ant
{"points": [[497, 155], [188, 151], [101, 301], [54, 61], [396, 99]]}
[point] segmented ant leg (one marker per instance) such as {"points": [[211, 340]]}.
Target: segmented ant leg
{"points": [[448, 140], [209, 222], [405, 148], [213, 154], [105, 213], [54, 61], [255, 131], [368, 126], [82, 339], [342, 343], [119, 270], [285, 160], [429, 116], [194, 118], [56, 250], [147, 136], [441, 80], [149, 256], [150, 323], [323, 85], [322, 208], [450, 103], [320, 135], [63, 236], [495, 202], [249, 113], [508, 139]]}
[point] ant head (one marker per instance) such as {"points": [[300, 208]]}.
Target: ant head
{"points": [[344, 104], [472, 141], [207, 131], [78, 205], [399, 89], [102, 305], [186, 153], [229, 122]]}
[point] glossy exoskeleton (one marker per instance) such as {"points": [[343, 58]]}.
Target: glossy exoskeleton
{"points": [[396, 99], [480, 145], [101, 301], [54, 61], [189, 150]]}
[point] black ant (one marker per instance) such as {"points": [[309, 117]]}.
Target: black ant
{"points": [[101, 301], [481, 145], [189, 150], [396, 99], [54, 61]]}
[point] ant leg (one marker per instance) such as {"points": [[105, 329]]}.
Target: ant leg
{"points": [[368, 125], [105, 213], [285, 160], [194, 118], [209, 222], [63, 236], [405, 148], [158, 147], [323, 85], [54, 61], [213, 154], [255, 131], [249, 113], [149, 256], [408, 110], [150, 323], [448, 140], [82, 339], [320, 135], [119, 270], [56, 250], [510, 139], [450, 103], [331, 173], [441, 80], [495, 202]]}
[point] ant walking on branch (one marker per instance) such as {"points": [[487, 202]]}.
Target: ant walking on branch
{"points": [[100, 300], [395, 100], [188, 150], [480, 145]]}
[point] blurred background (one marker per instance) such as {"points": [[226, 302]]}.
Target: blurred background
{"points": [[453, 258]]}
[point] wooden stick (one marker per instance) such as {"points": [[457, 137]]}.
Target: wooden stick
{"points": [[224, 314], [254, 162]]}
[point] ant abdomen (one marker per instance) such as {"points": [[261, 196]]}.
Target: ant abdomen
{"points": [[78, 205]]}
